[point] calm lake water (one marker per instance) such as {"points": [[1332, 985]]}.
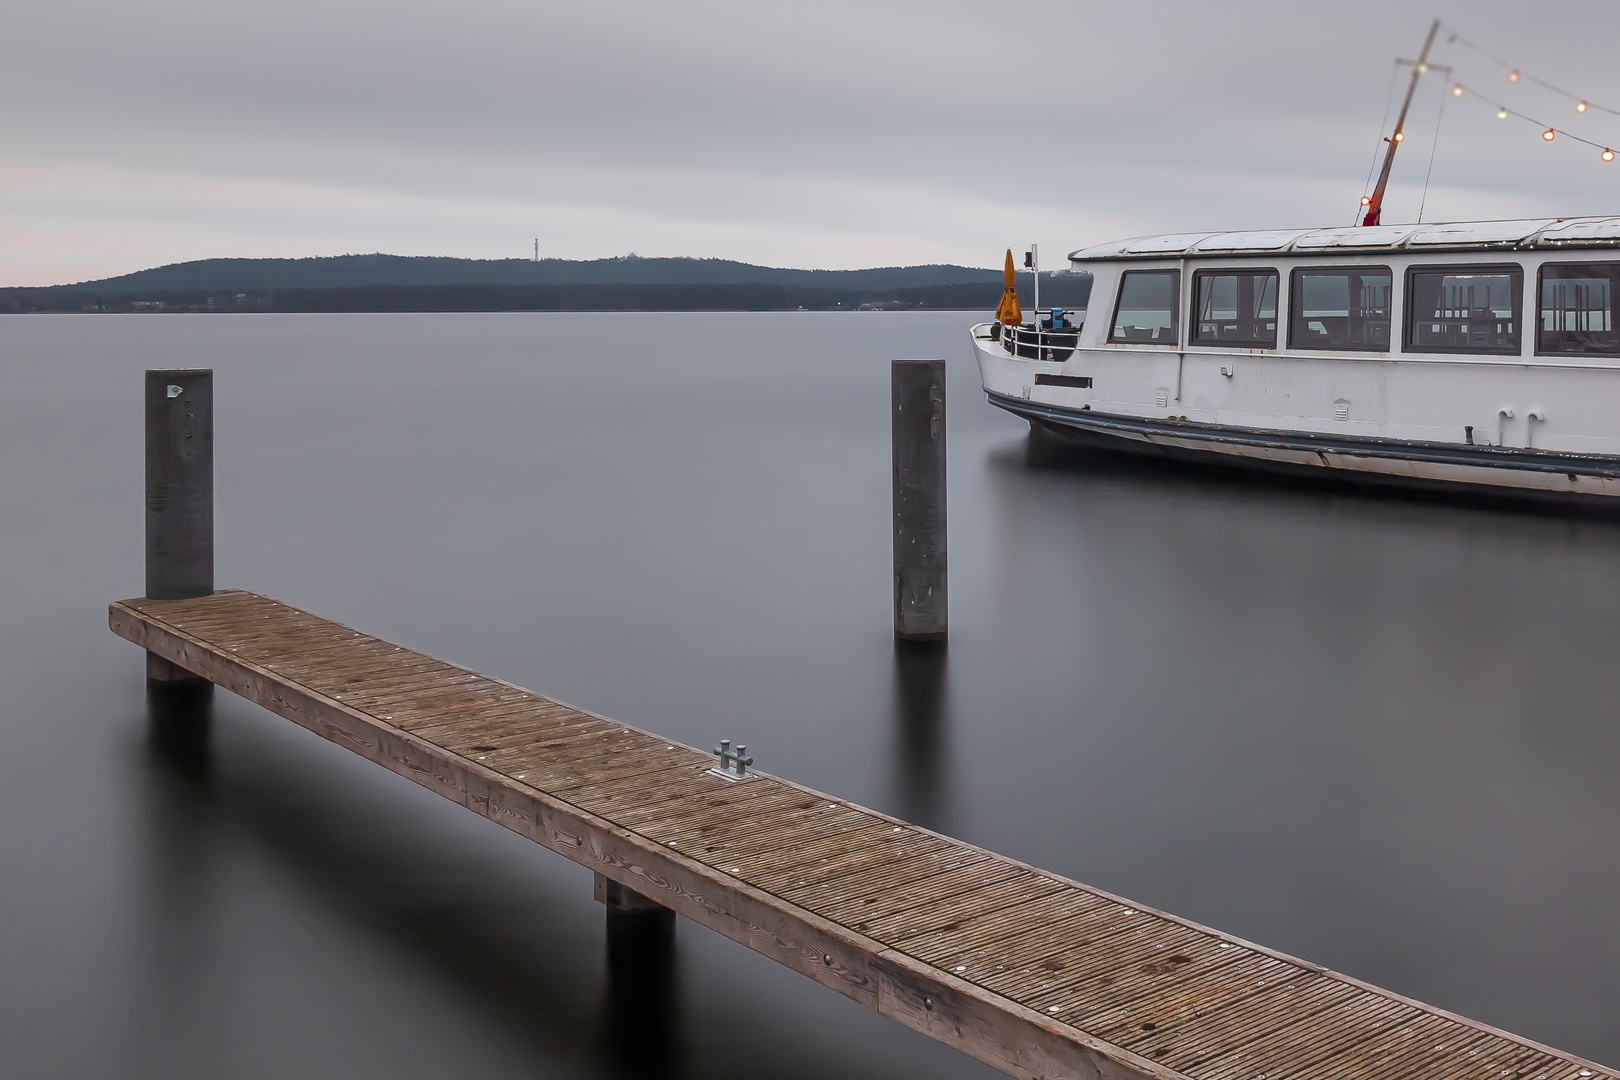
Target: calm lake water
{"points": [[1381, 734]]}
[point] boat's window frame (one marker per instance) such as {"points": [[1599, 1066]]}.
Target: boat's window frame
{"points": [[1193, 340], [1614, 301], [1295, 307], [1176, 314], [1514, 270]]}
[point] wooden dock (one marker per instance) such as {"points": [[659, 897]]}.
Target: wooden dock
{"points": [[1037, 975]]}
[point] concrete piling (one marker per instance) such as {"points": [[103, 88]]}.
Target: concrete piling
{"points": [[917, 429], [179, 406]]}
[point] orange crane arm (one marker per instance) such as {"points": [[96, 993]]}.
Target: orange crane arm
{"points": [[1375, 204]]}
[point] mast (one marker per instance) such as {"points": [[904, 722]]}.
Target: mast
{"points": [[1375, 202]]}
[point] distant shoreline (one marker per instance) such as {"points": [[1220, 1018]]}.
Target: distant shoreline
{"points": [[969, 296], [987, 312]]}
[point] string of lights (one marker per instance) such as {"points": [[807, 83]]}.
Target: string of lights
{"points": [[1371, 205], [1515, 74], [1548, 132]]}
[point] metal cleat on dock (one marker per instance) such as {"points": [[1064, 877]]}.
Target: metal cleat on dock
{"points": [[733, 763]]}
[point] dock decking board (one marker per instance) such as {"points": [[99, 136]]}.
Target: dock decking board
{"points": [[1034, 974]]}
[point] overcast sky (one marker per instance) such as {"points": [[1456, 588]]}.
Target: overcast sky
{"points": [[825, 134]]}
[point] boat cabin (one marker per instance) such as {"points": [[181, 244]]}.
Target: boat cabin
{"points": [[1504, 289]]}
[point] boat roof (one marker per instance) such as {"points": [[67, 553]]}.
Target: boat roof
{"points": [[1355, 239]]}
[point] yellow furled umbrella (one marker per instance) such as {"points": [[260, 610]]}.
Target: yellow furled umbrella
{"points": [[1008, 313]]}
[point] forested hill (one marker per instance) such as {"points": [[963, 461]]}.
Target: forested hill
{"points": [[403, 283], [357, 271]]}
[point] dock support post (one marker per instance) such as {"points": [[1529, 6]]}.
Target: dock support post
{"points": [[917, 430], [179, 495], [641, 978], [632, 916]]}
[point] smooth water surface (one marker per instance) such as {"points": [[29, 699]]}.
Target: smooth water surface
{"points": [[1379, 733]]}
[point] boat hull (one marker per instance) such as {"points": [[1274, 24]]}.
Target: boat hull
{"points": [[1370, 459]]}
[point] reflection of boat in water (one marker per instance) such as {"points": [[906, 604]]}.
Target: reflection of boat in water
{"points": [[1480, 353]]}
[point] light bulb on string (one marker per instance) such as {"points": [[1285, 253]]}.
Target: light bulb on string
{"points": [[1501, 114], [1580, 106], [1457, 90], [1366, 200], [1607, 155], [1548, 134], [1513, 76]]}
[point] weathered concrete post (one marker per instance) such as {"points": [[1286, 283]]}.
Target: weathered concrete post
{"points": [[179, 494], [917, 429]]}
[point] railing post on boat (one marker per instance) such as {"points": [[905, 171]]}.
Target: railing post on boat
{"points": [[179, 495], [917, 430]]}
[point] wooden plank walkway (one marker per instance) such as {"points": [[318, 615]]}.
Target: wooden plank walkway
{"points": [[1037, 975]]}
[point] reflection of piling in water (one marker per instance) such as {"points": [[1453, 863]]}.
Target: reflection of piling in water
{"points": [[179, 495], [179, 715], [917, 419], [919, 669], [641, 978]]}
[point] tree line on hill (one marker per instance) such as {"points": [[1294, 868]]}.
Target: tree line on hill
{"points": [[390, 283]]}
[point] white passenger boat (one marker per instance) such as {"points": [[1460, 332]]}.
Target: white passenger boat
{"points": [[1481, 353]]}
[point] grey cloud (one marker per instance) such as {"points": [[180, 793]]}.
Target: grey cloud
{"points": [[781, 133]]}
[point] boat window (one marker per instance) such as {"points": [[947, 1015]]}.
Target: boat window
{"points": [[1577, 308], [1148, 305], [1235, 307], [1463, 309], [1341, 308]]}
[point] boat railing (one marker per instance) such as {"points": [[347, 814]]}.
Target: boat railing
{"points": [[1041, 341]]}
